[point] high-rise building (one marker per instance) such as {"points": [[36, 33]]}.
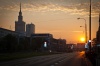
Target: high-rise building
{"points": [[30, 29], [98, 32], [20, 24]]}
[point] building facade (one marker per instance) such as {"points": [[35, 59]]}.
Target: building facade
{"points": [[45, 42], [30, 29], [4, 32], [20, 24], [42, 42], [98, 33], [97, 46]]}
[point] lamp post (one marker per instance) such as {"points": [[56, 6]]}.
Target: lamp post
{"points": [[85, 29]]}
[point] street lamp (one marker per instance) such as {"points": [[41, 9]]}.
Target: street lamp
{"points": [[85, 29]]}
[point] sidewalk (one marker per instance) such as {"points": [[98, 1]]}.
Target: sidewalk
{"points": [[98, 62], [88, 62]]}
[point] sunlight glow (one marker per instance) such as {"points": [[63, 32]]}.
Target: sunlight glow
{"points": [[82, 39]]}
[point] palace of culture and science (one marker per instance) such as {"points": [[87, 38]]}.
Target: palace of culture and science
{"points": [[20, 24], [21, 28]]}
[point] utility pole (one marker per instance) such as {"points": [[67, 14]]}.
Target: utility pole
{"points": [[90, 28]]}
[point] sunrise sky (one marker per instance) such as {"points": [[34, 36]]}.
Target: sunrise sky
{"points": [[58, 17]]}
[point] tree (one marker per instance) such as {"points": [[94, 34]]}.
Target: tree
{"points": [[9, 43]]}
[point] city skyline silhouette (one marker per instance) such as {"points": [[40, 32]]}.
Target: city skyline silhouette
{"points": [[57, 17]]}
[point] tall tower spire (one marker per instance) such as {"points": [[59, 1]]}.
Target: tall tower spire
{"points": [[20, 17], [20, 24], [20, 7]]}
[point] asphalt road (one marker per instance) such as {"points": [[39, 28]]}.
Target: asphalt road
{"points": [[66, 59]]}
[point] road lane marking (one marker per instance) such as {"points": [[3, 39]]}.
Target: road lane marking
{"points": [[62, 60], [52, 65], [56, 63], [59, 61]]}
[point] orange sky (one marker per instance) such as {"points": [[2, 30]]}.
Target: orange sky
{"points": [[58, 17]]}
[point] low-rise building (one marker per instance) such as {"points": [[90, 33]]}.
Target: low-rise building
{"points": [[41, 41], [4, 32]]}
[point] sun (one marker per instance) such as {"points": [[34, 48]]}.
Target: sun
{"points": [[82, 39]]}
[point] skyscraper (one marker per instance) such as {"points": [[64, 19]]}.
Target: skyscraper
{"points": [[30, 29], [20, 24]]}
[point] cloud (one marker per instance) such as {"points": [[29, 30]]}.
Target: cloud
{"points": [[54, 5], [80, 9], [77, 31]]}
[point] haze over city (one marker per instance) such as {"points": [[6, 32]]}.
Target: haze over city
{"points": [[58, 17]]}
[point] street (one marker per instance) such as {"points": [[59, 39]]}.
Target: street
{"points": [[66, 59]]}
